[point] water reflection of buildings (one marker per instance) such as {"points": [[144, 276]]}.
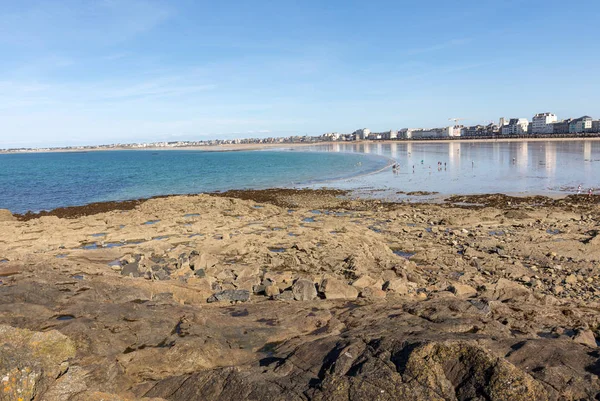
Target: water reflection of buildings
{"points": [[454, 154], [523, 157], [393, 149], [587, 150], [550, 157]]}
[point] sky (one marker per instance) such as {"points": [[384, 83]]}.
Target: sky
{"points": [[110, 71]]}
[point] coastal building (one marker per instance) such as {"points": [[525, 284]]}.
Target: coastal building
{"points": [[475, 130], [516, 126], [391, 134], [444, 132], [561, 127], [542, 123], [406, 133], [596, 126], [362, 133], [581, 124]]}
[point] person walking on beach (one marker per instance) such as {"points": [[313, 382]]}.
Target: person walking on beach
{"points": [[591, 192], [579, 189]]}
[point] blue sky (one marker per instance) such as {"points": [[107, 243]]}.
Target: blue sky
{"points": [[105, 71]]}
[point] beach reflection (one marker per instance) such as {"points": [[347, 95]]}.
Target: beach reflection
{"points": [[536, 167]]}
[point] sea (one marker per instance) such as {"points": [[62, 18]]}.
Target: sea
{"points": [[44, 181]]}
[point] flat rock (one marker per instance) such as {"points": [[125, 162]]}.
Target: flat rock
{"points": [[230, 295]]}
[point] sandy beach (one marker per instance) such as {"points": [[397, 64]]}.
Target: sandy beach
{"points": [[300, 294]]}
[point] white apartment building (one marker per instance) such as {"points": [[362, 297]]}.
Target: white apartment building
{"points": [[542, 123], [516, 126], [362, 134]]}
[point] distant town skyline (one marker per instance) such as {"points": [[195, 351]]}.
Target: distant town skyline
{"points": [[91, 73]]}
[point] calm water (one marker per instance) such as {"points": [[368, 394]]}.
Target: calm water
{"points": [[43, 181], [49, 180], [547, 168]]}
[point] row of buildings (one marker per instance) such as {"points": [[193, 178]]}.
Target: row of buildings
{"points": [[541, 124]]}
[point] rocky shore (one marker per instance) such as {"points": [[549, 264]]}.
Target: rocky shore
{"points": [[302, 295]]}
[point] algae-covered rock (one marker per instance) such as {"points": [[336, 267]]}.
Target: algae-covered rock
{"points": [[31, 361]]}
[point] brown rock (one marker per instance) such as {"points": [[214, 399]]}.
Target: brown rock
{"points": [[462, 290], [271, 290], [398, 285], [6, 215], [585, 337], [372, 293], [337, 289], [364, 281]]}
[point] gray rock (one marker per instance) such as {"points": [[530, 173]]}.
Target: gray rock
{"points": [[304, 290], [230, 295], [131, 269], [200, 273], [161, 275]]}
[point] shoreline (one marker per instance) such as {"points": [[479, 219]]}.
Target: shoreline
{"points": [[273, 196], [263, 146]]}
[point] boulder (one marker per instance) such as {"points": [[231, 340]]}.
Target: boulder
{"points": [[397, 285], [462, 290], [364, 281], [337, 289], [372, 293], [304, 290], [585, 337], [230, 295], [504, 290], [6, 215], [271, 290], [131, 269]]}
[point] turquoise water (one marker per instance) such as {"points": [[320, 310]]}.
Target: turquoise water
{"points": [[44, 181]]}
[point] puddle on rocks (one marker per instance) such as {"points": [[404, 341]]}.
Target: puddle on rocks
{"points": [[277, 250], [65, 317], [292, 234], [402, 254], [291, 211], [188, 215], [195, 235], [497, 233], [258, 206], [115, 263], [77, 276], [110, 245], [122, 226], [150, 222], [160, 237], [553, 231], [309, 220], [375, 229], [316, 212], [61, 256], [3, 260], [99, 235]]}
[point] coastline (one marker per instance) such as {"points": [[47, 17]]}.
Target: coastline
{"points": [[263, 146]]}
